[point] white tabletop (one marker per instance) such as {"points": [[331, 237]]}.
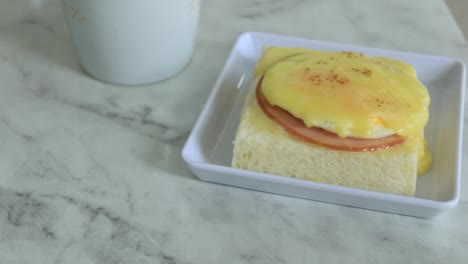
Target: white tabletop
{"points": [[92, 173]]}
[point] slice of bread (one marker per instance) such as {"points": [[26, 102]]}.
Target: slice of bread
{"points": [[264, 146]]}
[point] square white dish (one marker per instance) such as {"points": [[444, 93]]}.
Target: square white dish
{"points": [[208, 150]]}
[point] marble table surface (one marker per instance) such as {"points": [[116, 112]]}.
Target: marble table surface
{"points": [[92, 173]]}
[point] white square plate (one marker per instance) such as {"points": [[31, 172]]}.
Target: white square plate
{"points": [[208, 150]]}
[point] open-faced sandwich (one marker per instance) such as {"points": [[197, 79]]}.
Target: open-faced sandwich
{"points": [[342, 118]]}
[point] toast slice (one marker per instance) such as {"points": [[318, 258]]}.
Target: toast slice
{"points": [[264, 146]]}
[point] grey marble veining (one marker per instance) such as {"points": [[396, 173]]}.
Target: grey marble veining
{"points": [[92, 173]]}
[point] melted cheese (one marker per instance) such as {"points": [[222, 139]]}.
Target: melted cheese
{"points": [[348, 93]]}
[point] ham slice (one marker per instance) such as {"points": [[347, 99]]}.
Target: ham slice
{"points": [[319, 136]]}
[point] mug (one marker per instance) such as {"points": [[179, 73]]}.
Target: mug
{"points": [[132, 42]]}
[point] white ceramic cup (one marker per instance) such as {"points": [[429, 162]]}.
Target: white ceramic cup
{"points": [[133, 42]]}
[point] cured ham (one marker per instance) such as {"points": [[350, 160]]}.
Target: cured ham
{"points": [[319, 136]]}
